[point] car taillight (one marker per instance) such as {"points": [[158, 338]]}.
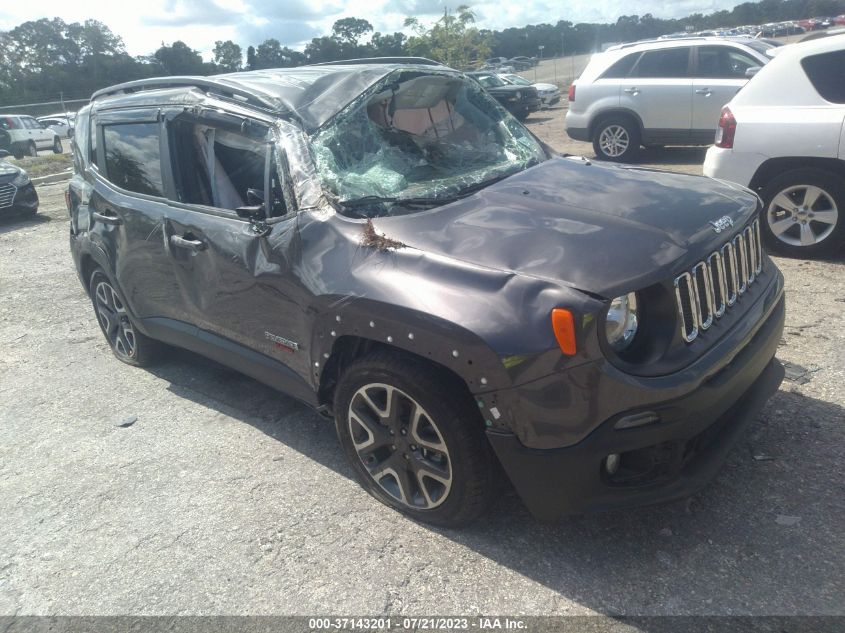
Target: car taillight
{"points": [[726, 131], [572, 92]]}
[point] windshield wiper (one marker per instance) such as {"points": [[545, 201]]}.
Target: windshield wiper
{"points": [[391, 201]]}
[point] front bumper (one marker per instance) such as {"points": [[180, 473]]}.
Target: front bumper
{"points": [[661, 461], [25, 200]]}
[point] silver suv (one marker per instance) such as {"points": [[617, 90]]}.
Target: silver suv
{"points": [[662, 92]]}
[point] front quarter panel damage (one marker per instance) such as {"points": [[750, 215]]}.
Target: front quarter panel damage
{"points": [[492, 328]]}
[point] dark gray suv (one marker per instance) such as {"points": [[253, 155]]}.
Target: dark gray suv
{"points": [[387, 244]]}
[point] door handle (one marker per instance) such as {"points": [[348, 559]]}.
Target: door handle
{"points": [[632, 91], [703, 91], [107, 216], [193, 245]]}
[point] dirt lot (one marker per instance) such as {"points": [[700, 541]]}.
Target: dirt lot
{"points": [[189, 489]]}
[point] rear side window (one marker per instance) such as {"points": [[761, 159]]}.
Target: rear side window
{"points": [[621, 68], [826, 73], [723, 62], [666, 64], [30, 123], [133, 160]]}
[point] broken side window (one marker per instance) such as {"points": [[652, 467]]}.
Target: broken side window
{"points": [[219, 167], [421, 136]]}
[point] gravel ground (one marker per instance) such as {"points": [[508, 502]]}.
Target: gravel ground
{"points": [[189, 489]]}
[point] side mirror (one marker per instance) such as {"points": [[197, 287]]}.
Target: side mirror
{"points": [[750, 72]]}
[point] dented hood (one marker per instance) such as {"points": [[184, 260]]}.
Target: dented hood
{"points": [[600, 228]]}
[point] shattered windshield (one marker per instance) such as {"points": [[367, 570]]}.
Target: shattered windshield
{"points": [[418, 140]]}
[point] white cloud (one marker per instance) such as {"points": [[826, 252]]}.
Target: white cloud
{"points": [[199, 23]]}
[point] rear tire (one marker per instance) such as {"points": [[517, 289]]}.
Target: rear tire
{"points": [[31, 150], [415, 439], [126, 342], [18, 151], [616, 139], [804, 212], [57, 145]]}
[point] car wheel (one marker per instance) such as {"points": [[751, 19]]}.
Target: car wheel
{"points": [[803, 212], [616, 139], [521, 115], [414, 439], [127, 343], [31, 150], [17, 151], [57, 145]]}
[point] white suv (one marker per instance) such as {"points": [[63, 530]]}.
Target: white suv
{"points": [[662, 92], [784, 137], [23, 136]]}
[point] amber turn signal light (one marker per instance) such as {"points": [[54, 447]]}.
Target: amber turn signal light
{"points": [[563, 324]]}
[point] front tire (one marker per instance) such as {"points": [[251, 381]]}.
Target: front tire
{"points": [[414, 439], [804, 212], [126, 342], [616, 139]]}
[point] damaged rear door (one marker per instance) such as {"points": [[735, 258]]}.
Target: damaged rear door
{"points": [[232, 243]]}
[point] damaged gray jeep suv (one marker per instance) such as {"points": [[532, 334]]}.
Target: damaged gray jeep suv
{"points": [[387, 244]]}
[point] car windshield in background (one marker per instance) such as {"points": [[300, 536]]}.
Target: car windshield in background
{"points": [[419, 140], [517, 80], [490, 81]]}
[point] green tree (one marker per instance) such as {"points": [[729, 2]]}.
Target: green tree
{"points": [[179, 59], [388, 45], [350, 30], [228, 56], [452, 40]]}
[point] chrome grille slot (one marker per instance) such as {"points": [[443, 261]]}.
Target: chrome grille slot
{"points": [[703, 295], [7, 194], [758, 247], [686, 307], [715, 284], [742, 263], [729, 259]]}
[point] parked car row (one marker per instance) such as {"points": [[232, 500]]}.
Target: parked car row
{"points": [[386, 243], [22, 135], [786, 144]]}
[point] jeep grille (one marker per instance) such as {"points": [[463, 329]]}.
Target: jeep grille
{"points": [[714, 285]]}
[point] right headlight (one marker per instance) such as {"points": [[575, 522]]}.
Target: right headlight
{"points": [[21, 179], [622, 321]]}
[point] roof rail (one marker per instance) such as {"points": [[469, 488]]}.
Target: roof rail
{"points": [[421, 61], [663, 41], [203, 83]]}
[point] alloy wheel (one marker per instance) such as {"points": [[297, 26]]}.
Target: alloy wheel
{"points": [[802, 215], [614, 140], [400, 446], [114, 320]]}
